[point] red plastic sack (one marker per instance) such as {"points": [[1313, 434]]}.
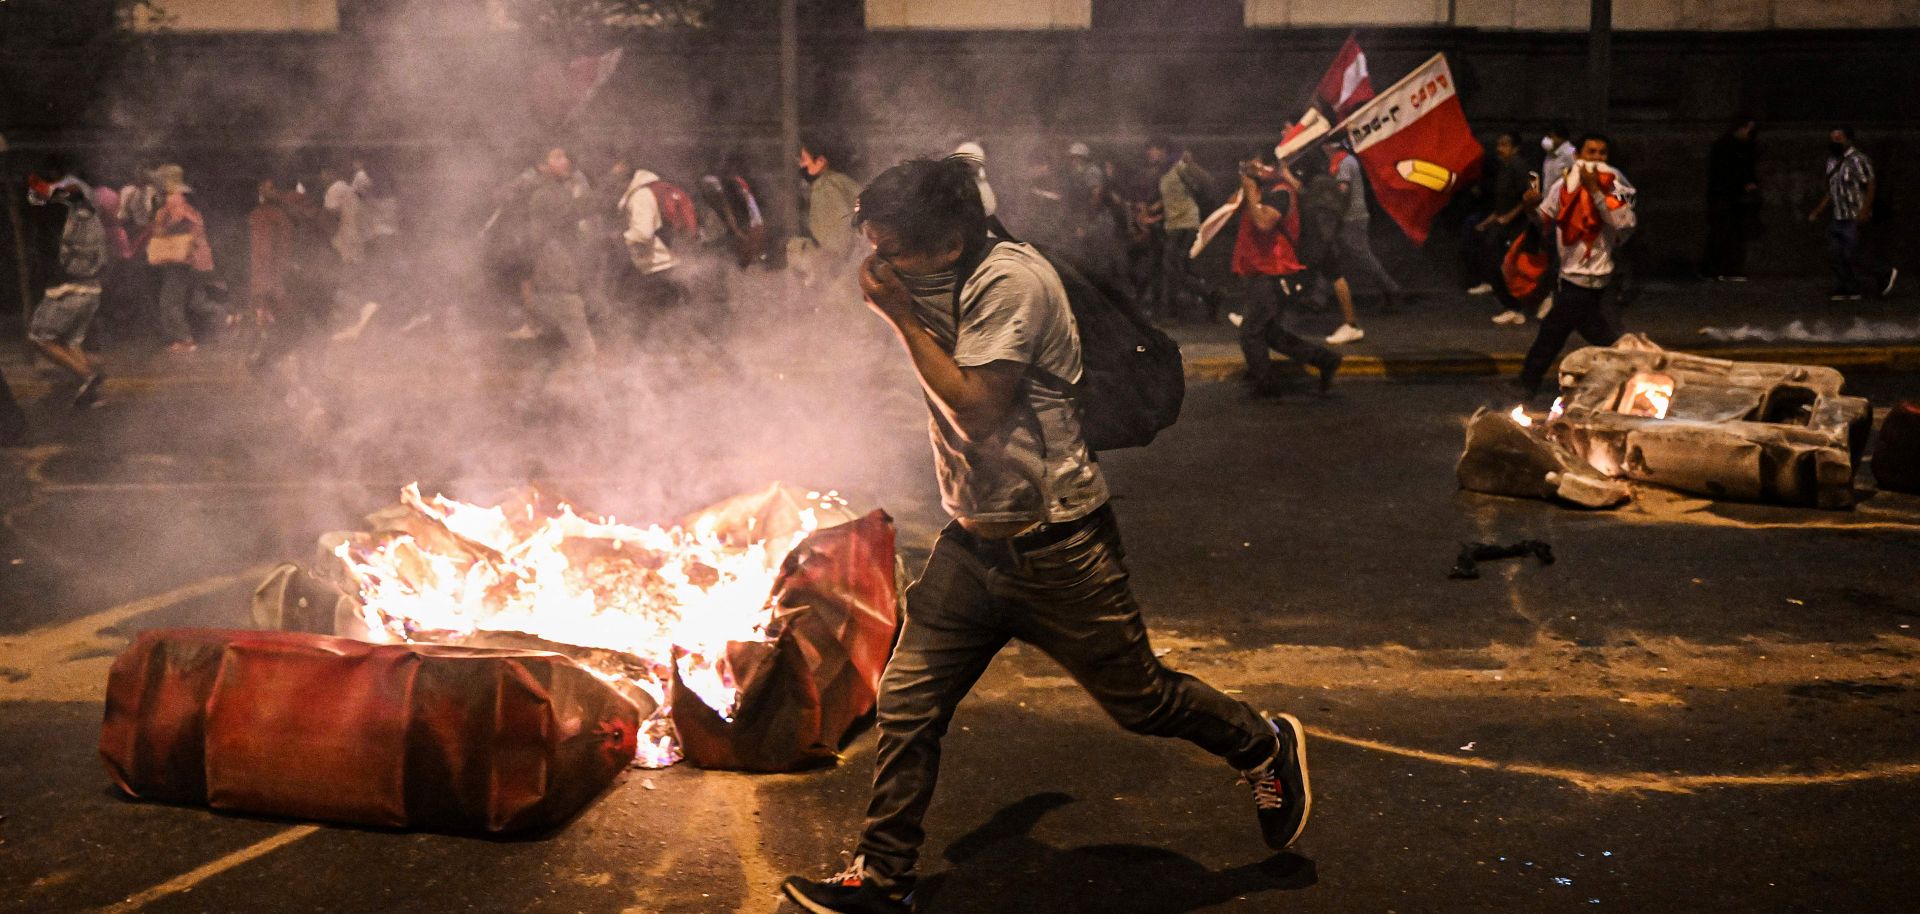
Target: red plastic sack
{"points": [[1896, 457], [818, 673], [1525, 267], [397, 735]]}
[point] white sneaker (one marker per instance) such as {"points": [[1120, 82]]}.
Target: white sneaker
{"points": [[1546, 308], [1485, 288], [1234, 318], [526, 332], [1510, 318], [1893, 276], [1347, 333]]}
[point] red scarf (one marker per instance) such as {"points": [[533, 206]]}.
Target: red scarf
{"points": [[1579, 222]]}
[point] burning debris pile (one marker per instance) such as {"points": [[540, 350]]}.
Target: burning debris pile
{"points": [[750, 635], [1633, 413]]}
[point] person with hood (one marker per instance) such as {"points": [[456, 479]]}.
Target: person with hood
{"points": [[1589, 213], [975, 156], [178, 249], [651, 283]]}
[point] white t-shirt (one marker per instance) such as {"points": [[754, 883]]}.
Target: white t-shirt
{"points": [[349, 240]]}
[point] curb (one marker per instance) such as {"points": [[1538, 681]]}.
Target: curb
{"points": [[1476, 364]]}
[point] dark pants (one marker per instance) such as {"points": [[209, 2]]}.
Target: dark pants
{"points": [[1357, 260], [1183, 293], [1856, 271], [182, 303], [1726, 239], [13, 422], [1575, 308], [1071, 600], [1490, 259], [1263, 308]]}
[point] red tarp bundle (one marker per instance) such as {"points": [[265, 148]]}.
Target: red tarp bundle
{"points": [[818, 672], [401, 735]]}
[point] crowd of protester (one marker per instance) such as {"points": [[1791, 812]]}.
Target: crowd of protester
{"points": [[583, 254]]}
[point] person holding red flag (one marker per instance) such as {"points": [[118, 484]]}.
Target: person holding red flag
{"points": [[1589, 213]]}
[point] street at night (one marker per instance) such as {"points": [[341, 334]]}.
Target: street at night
{"points": [[959, 456], [1700, 706]]}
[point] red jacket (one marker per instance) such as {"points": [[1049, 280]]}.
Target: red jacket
{"points": [[1270, 252]]}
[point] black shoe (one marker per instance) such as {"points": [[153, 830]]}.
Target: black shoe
{"points": [[1281, 797], [1328, 368], [847, 892], [89, 391]]}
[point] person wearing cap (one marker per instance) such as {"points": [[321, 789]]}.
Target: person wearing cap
{"points": [[178, 248]]}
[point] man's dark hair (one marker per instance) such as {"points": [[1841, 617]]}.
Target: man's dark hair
{"points": [[1264, 154], [1592, 135], [1161, 142], [926, 202], [1511, 136], [1846, 130], [825, 147], [1559, 129]]}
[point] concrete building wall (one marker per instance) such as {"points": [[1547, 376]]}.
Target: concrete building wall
{"points": [[979, 14], [250, 15]]}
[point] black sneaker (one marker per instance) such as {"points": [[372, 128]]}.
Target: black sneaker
{"points": [[89, 392], [1328, 368], [847, 892], [1281, 797]]}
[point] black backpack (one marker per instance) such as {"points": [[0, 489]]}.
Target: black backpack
{"points": [[1132, 379]]}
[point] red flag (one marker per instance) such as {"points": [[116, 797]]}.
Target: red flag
{"points": [[1346, 85], [1415, 145]]}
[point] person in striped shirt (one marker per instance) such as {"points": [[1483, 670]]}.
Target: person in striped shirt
{"points": [[1850, 191]]}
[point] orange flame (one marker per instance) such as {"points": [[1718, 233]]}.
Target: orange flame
{"points": [[650, 593], [1647, 394]]}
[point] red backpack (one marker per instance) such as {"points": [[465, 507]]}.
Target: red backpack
{"points": [[677, 215]]}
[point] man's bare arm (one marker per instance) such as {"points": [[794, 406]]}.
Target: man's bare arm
{"points": [[974, 400]]}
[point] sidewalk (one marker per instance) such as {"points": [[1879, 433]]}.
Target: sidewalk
{"points": [[1439, 334], [1447, 334]]}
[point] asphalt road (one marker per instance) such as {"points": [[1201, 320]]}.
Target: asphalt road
{"points": [[1697, 708]]}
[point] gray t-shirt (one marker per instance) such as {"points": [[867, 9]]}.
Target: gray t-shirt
{"points": [[1350, 175], [1034, 468]]}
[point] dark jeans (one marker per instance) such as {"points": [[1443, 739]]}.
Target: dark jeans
{"points": [[1726, 239], [182, 302], [13, 422], [1071, 600], [1575, 308], [1357, 260], [1856, 271], [1183, 293], [1263, 307]]}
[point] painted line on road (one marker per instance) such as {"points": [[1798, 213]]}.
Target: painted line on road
{"points": [[1637, 781], [188, 880], [48, 654]]}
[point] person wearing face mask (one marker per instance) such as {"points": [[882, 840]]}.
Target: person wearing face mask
{"points": [[1850, 191], [1034, 550], [1560, 153], [1589, 213], [827, 253]]}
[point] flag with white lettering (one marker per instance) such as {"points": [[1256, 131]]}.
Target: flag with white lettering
{"points": [[1415, 146]]}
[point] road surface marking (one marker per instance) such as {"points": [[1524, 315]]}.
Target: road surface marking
{"points": [[1634, 781], [207, 871], [69, 661]]}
